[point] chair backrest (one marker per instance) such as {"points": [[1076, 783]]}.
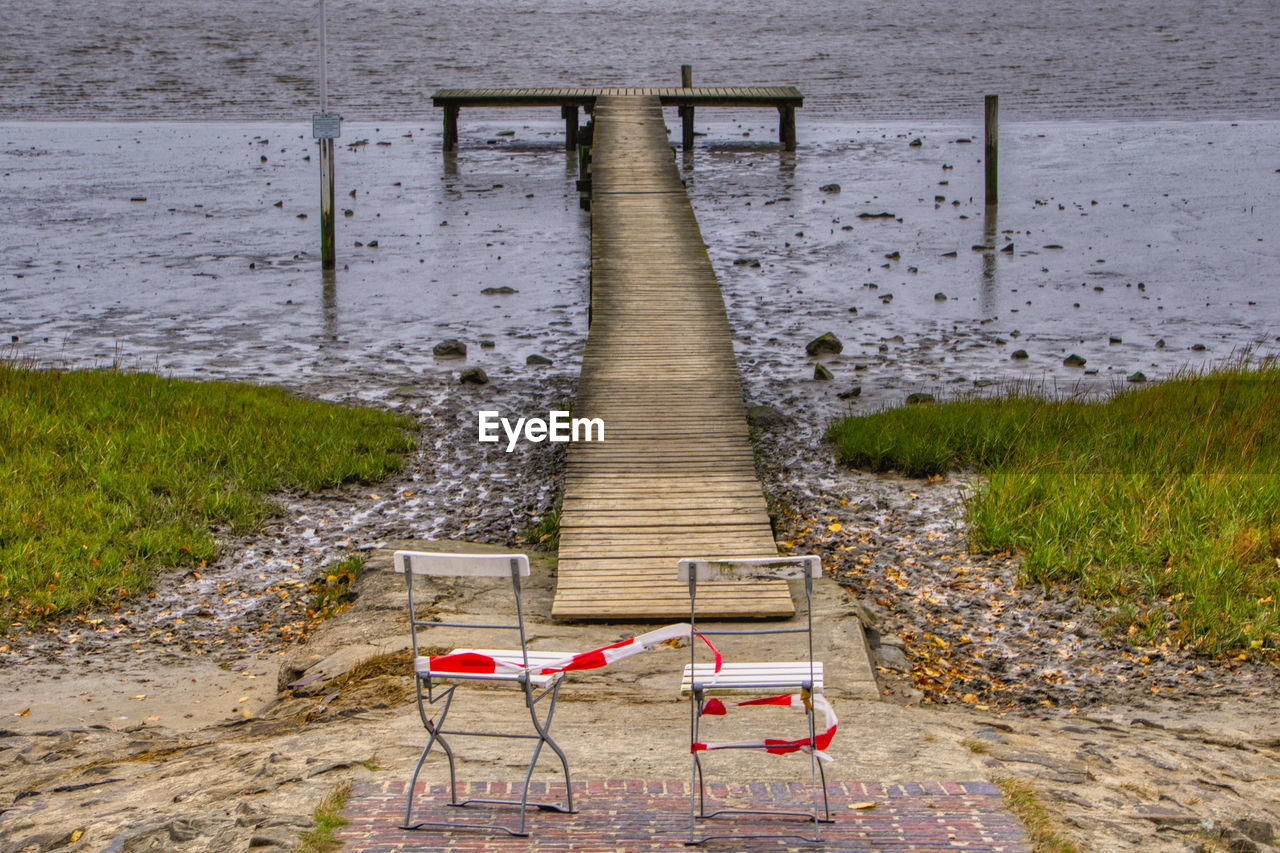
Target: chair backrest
{"points": [[460, 565], [807, 567], [756, 568], [434, 564]]}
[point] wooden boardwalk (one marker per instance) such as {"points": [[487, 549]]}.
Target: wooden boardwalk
{"points": [[675, 476]]}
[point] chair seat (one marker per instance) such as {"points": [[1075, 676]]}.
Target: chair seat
{"points": [[758, 675], [422, 666]]}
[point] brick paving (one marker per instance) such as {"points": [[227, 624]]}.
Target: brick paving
{"points": [[638, 816]]}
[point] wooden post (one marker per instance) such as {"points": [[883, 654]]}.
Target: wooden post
{"points": [[327, 259], [787, 128], [569, 112], [991, 156], [686, 112], [450, 127]]}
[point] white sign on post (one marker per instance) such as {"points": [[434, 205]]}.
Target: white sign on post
{"points": [[326, 125]]}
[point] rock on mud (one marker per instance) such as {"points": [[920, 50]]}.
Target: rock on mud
{"points": [[825, 344], [473, 376], [450, 349]]}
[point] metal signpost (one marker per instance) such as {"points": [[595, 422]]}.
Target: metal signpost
{"points": [[326, 127]]}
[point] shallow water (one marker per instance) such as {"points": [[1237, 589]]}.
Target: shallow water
{"points": [[918, 59]]}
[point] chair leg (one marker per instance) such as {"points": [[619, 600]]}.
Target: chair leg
{"points": [[544, 731], [820, 813], [434, 729], [697, 792], [826, 805], [813, 768]]}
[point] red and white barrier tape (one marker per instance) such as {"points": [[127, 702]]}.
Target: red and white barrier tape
{"points": [[779, 747], [481, 664], [475, 663]]}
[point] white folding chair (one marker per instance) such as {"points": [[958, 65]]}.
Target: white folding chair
{"points": [[702, 679], [436, 679]]}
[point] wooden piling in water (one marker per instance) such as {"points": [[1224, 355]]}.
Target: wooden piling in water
{"points": [[569, 112], [787, 127], [991, 155], [450, 127], [327, 256], [686, 112]]}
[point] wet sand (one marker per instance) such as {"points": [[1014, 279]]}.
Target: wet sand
{"points": [[1119, 236]]}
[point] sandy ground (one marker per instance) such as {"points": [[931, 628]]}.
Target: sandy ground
{"points": [[1161, 773]]}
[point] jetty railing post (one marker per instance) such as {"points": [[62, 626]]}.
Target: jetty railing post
{"points": [[450, 127], [991, 155], [686, 112], [569, 112]]}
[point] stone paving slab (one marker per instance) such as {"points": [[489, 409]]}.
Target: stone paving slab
{"points": [[639, 816]]}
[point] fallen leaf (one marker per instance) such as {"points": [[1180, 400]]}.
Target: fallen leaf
{"points": [[23, 712], [139, 697], [835, 528], [75, 836], [869, 804]]}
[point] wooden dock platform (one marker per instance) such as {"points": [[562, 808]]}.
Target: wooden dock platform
{"points": [[675, 475], [787, 99]]}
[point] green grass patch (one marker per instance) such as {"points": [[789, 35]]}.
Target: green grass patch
{"points": [[1163, 500], [545, 532], [327, 817], [109, 475], [1024, 802], [331, 591]]}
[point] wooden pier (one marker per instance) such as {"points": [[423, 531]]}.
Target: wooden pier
{"points": [[787, 99], [675, 476]]}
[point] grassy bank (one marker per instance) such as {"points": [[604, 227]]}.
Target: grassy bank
{"points": [[109, 476], [1163, 500]]}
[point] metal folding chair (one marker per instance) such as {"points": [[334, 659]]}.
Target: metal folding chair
{"points": [[437, 678], [700, 680]]}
